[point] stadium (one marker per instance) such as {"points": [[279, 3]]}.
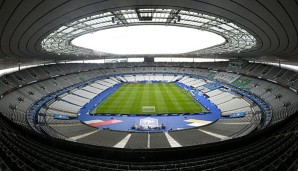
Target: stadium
{"points": [[135, 85]]}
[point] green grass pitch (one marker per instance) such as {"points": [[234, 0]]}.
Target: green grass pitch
{"points": [[166, 97]]}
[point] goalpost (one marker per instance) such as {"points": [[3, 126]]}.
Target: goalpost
{"points": [[148, 109]]}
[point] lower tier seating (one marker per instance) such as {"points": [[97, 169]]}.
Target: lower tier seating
{"points": [[274, 148]]}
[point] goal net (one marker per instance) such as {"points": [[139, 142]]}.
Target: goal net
{"points": [[148, 109]]}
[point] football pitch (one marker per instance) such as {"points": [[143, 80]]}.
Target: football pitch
{"points": [[149, 98]]}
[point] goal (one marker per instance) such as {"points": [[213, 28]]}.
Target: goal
{"points": [[148, 109]]}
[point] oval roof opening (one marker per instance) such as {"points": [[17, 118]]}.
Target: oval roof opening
{"points": [[148, 39]]}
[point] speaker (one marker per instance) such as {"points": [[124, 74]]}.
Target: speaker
{"points": [[178, 18]]}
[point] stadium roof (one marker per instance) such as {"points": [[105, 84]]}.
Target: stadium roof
{"points": [[259, 30]]}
